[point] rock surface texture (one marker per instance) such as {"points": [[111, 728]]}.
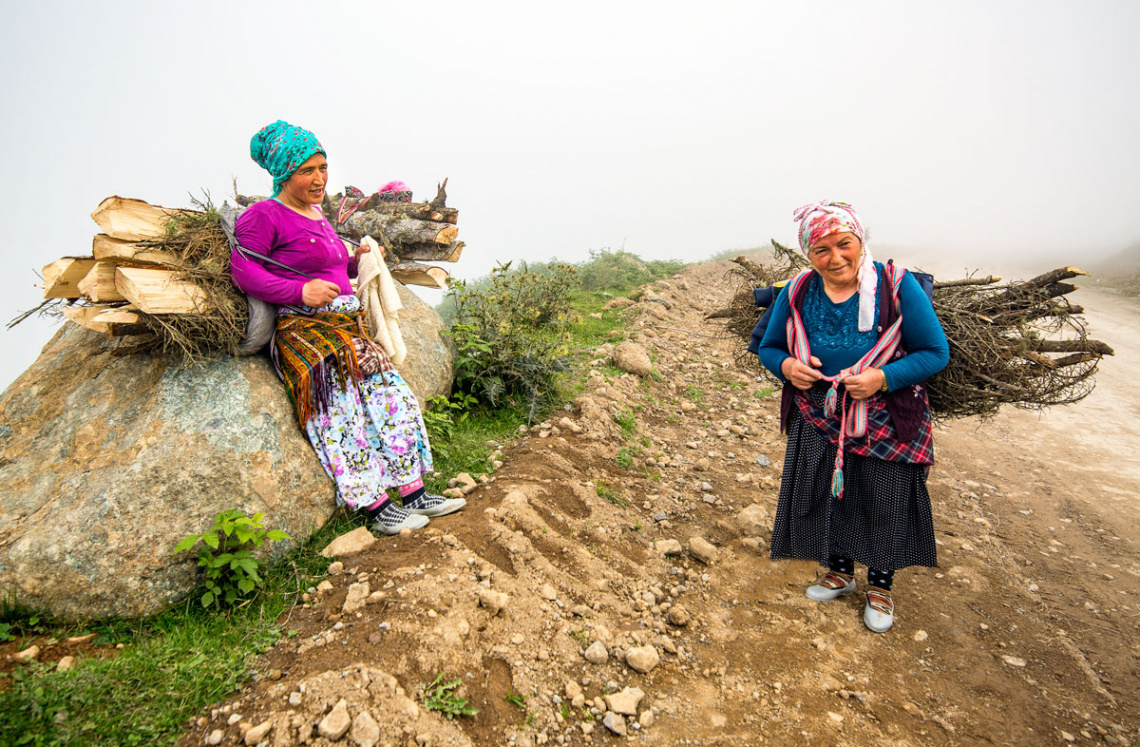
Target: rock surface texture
{"points": [[108, 461], [429, 367]]}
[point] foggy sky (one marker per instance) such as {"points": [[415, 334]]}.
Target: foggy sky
{"points": [[974, 132]]}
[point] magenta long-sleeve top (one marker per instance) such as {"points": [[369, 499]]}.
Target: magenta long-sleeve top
{"points": [[310, 245]]}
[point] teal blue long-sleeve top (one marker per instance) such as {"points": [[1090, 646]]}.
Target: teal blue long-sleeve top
{"points": [[834, 336]]}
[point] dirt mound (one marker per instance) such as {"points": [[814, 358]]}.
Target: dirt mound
{"points": [[612, 578]]}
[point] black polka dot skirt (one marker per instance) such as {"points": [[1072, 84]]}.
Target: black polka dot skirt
{"points": [[883, 520]]}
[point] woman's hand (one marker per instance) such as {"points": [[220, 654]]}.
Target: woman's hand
{"points": [[364, 249], [801, 376], [318, 293], [862, 386]]}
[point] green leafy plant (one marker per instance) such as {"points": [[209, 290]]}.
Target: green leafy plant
{"points": [[518, 700], [605, 492], [624, 457], [443, 416], [441, 696], [582, 637], [5, 632], [226, 556], [627, 421], [566, 711]]}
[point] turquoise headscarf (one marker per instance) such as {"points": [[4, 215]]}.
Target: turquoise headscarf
{"points": [[281, 148]]}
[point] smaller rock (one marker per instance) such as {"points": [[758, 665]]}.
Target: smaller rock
{"points": [[920, 636], [763, 461], [668, 547], [31, 653], [626, 701], [336, 723], [646, 719], [215, 737], [642, 658], [65, 663], [465, 480], [678, 616], [353, 542], [325, 585], [295, 699], [493, 601], [234, 718], [614, 723], [660, 516], [702, 550], [356, 598], [77, 640], [335, 569], [572, 689], [365, 730], [257, 733], [548, 592], [632, 358], [597, 653], [1014, 661]]}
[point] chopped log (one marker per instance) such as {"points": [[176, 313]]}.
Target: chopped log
{"points": [[132, 220], [1049, 278], [156, 291], [400, 230], [61, 277], [413, 273], [1072, 346], [91, 318], [108, 249], [987, 280], [99, 284], [119, 315], [427, 252]]}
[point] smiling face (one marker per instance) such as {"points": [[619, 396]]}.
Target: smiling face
{"points": [[836, 258], [306, 186]]}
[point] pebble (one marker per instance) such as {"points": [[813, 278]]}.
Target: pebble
{"points": [[642, 658], [615, 724], [336, 723], [335, 569], [65, 663], [1014, 661], [215, 737], [233, 719], [294, 699], [31, 653], [646, 719], [257, 733], [678, 616], [625, 702], [763, 461], [494, 601], [365, 730], [702, 549], [597, 653], [920, 636], [669, 547]]}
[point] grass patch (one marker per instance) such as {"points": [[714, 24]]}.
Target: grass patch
{"points": [[608, 494], [171, 668], [627, 421], [442, 697], [625, 456]]}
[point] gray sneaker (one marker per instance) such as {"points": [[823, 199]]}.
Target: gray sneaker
{"points": [[392, 520], [432, 505]]}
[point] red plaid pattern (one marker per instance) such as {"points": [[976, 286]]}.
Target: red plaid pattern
{"points": [[880, 441]]}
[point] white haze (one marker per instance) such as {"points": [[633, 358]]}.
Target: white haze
{"points": [[971, 133]]}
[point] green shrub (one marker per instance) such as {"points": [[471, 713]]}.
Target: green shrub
{"points": [[512, 335], [620, 270], [226, 556], [441, 696]]}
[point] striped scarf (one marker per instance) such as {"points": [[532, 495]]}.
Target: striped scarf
{"points": [[314, 356], [853, 415]]}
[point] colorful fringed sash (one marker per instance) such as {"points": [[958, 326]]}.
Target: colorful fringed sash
{"points": [[314, 354], [853, 415]]}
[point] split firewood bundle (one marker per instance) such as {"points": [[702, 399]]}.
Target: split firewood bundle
{"points": [[162, 275], [411, 232], [1019, 343]]}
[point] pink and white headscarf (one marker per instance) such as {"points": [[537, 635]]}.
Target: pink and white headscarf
{"points": [[821, 219]]}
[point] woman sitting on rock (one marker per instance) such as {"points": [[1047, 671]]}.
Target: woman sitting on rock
{"points": [[853, 340], [358, 413]]}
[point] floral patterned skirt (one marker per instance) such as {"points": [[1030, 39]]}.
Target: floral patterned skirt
{"points": [[370, 436]]}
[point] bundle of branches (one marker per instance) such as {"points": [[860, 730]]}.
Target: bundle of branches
{"points": [[1019, 343], [162, 276], [411, 232]]}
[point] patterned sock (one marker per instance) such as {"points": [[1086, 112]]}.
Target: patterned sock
{"points": [[840, 564], [881, 579], [390, 514]]}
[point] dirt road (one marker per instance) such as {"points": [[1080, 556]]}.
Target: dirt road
{"points": [[622, 551]]}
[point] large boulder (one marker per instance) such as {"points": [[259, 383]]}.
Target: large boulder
{"points": [[429, 367], [109, 460]]}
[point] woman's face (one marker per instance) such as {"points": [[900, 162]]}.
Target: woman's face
{"points": [[836, 259], [306, 185]]}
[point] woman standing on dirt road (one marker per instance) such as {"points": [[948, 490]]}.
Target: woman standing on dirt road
{"points": [[853, 340], [358, 413]]}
